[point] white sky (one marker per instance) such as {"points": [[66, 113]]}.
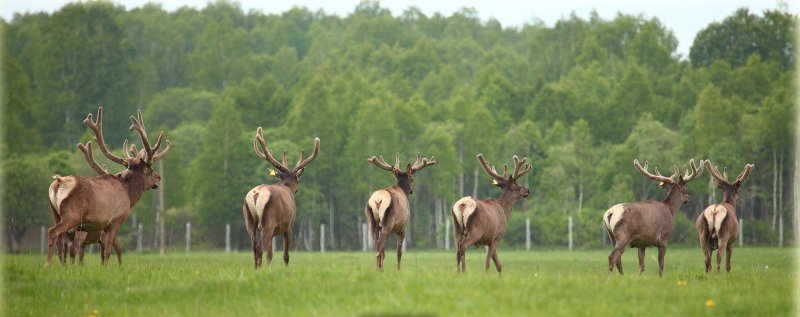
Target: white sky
{"points": [[684, 17]]}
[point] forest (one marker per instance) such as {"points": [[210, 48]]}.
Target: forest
{"points": [[580, 99]]}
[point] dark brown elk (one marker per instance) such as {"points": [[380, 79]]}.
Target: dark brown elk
{"points": [[718, 225], [387, 209], [269, 210], [483, 222], [102, 203], [648, 223], [79, 239]]}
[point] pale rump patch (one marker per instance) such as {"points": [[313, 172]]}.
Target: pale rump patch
{"points": [[60, 189], [379, 202], [463, 209], [714, 215], [613, 215], [256, 199]]}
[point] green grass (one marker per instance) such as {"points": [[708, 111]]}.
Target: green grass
{"points": [[539, 283]]}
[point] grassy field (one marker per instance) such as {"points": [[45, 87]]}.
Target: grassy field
{"points": [[539, 283]]}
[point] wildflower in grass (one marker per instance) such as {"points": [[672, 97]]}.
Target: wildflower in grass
{"points": [[710, 303], [681, 283]]}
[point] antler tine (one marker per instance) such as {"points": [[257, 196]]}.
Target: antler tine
{"points": [[97, 127], [525, 169], [284, 158], [265, 153], [380, 163], [397, 161], [517, 164], [491, 171], [694, 173], [714, 172], [136, 124], [87, 154], [644, 172], [725, 172], [163, 152], [303, 162], [423, 163], [745, 172]]}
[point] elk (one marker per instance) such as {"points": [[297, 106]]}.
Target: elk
{"points": [[269, 210], [648, 223], [102, 203], [718, 226], [387, 209], [483, 222]]}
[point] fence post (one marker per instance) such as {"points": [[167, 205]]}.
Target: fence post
{"points": [[528, 234], [188, 236], [227, 237], [322, 237], [447, 235], [569, 226], [41, 244], [364, 237], [741, 231], [139, 238]]}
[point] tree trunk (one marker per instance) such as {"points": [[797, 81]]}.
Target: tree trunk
{"points": [[161, 211], [475, 187], [580, 189], [774, 188], [461, 170]]}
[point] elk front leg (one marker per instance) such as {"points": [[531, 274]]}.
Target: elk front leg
{"points": [[400, 238], [77, 246], [641, 261], [662, 250], [287, 238]]}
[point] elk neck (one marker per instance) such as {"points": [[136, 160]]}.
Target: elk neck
{"points": [[674, 201], [507, 200], [134, 184], [404, 184]]}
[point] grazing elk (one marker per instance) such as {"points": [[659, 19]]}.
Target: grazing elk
{"points": [[648, 223], [718, 226], [103, 202], [483, 222], [269, 210], [387, 209]]}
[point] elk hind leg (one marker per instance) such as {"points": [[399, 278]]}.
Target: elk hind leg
{"points": [[55, 234], [728, 253], [287, 238]]}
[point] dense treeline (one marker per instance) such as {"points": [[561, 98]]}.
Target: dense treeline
{"points": [[581, 99]]}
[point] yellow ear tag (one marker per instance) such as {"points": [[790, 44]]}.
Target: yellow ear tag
{"points": [[272, 173], [661, 184], [494, 182]]}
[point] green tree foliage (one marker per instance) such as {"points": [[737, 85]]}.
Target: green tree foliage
{"points": [[580, 98]]}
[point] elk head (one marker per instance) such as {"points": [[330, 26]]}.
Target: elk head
{"points": [[139, 165], [405, 178], [288, 177], [508, 183], [674, 182], [730, 191]]}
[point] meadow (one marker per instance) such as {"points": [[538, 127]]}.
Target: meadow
{"points": [[536, 283]]}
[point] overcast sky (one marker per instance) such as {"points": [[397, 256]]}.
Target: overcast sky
{"points": [[684, 17]]}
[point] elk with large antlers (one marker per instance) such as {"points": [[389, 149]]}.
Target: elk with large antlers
{"points": [[483, 222], [387, 209], [102, 203], [718, 226], [648, 223], [269, 210]]}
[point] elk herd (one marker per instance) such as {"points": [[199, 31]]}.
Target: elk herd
{"points": [[89, 210]]}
